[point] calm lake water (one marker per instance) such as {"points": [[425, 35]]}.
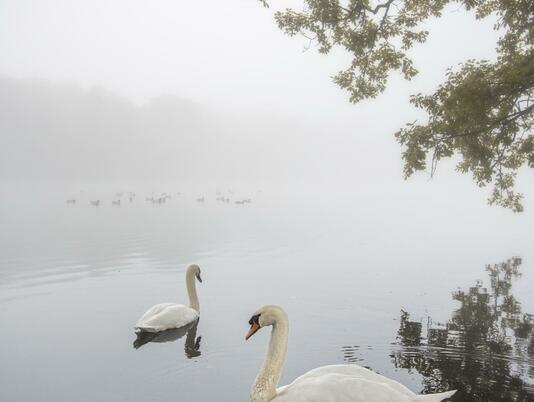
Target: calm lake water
{"points": [[403, 290]]}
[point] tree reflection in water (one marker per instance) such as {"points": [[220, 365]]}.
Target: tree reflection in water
{"points": [[485, 350]]}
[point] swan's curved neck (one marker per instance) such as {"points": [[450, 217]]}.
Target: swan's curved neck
{"points": [[192, 290], [264, 388]]}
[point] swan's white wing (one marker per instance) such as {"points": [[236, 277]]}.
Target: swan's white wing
{"points": [[353, 370], [165, 316], [348, 383], [151, 312], [334, 387]]}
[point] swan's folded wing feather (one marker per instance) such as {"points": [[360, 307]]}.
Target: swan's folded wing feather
{"points": [[167, 315], [348, 383], [151, 312], [434, 397], [335, 387], [356, 371]]}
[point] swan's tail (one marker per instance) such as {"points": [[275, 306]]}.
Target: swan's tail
{"points": [[434, 397]]}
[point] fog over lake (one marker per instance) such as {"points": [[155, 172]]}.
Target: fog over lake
{"points": [[139, 138]]}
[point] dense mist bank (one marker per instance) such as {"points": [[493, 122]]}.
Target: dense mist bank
{"points": [[63, 133]]}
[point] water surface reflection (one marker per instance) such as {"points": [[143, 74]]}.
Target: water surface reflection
{"points": [[485, 350], [191, 344]]}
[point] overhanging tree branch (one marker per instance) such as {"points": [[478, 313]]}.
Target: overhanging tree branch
{"points": [[483, 113]]}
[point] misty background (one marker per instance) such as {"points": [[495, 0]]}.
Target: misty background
{"points": [[206, 95]]}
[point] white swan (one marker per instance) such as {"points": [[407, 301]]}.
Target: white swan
{"points": [[171, 315], [339, 383]]}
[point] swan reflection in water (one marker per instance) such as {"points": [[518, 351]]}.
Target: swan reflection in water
{"points": [[191, 345]]}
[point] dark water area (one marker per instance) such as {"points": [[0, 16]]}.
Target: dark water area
{"points": [[485, 350], [436, 302]]}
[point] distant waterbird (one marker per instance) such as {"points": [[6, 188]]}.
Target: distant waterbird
{"points": [[95, 203]]}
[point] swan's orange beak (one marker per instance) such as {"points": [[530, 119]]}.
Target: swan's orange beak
{"points": [[253, 329]]}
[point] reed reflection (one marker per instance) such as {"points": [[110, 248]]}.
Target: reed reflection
{"points": [[191, 344], [485, 350]]}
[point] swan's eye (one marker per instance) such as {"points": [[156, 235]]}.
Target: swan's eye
{"points": [[254, 319]]}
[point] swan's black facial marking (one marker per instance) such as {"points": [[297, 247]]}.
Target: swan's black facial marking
{"points": [[198, 277], [254, 325], [255, 319]]}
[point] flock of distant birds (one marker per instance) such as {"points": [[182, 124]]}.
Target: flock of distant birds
{"points": [[160, 199]]}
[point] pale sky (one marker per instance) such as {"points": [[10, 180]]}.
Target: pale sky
{"points": [[225, 54]]}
